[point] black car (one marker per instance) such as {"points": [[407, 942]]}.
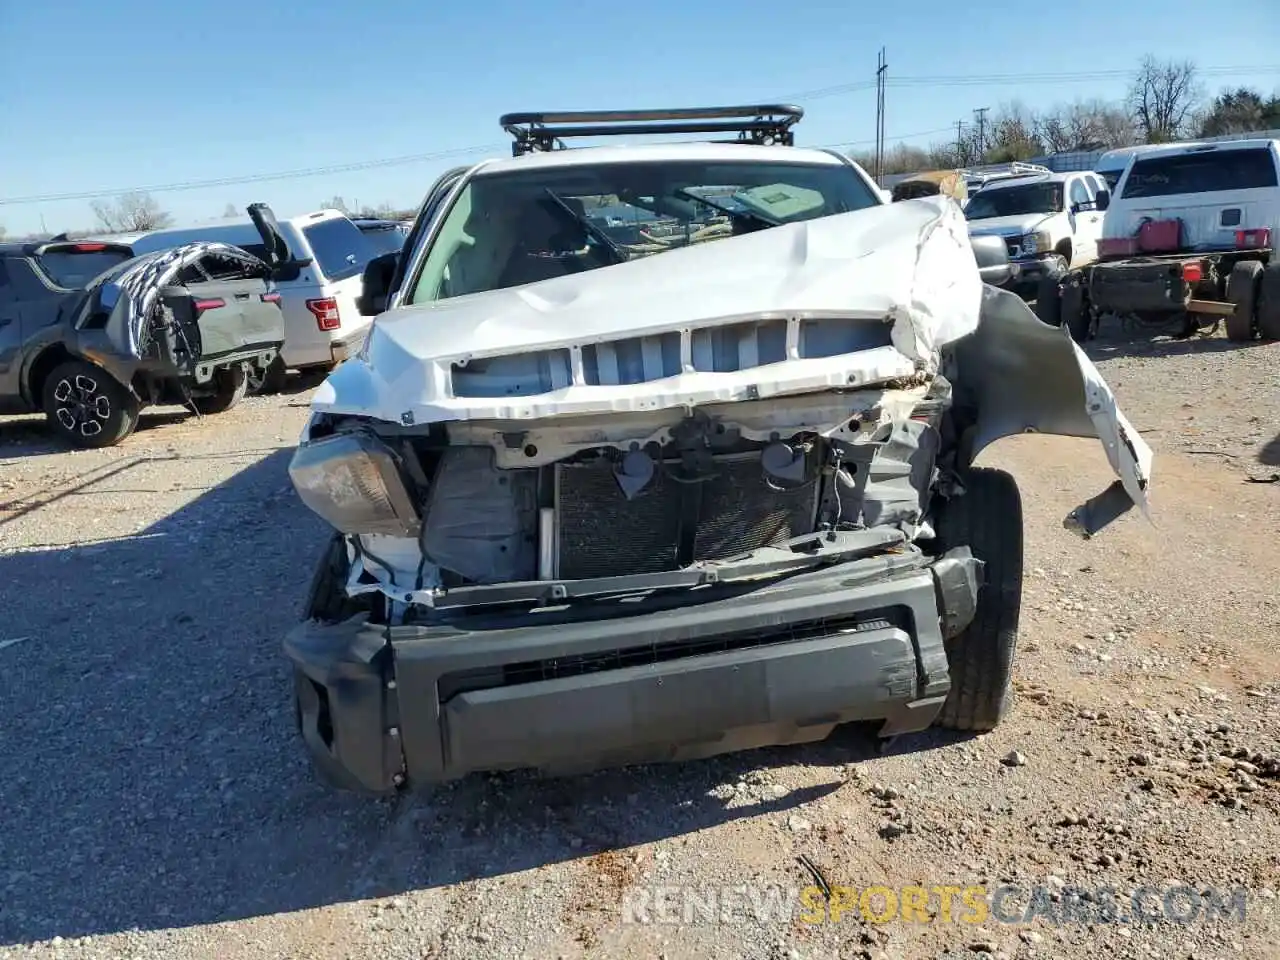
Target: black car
{"points": [[90, 334]]}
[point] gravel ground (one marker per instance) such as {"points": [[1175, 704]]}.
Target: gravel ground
{"points": [[157, 803]]}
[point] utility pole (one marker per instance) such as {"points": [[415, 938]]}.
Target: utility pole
{"points": [[981, 115], [882, 65], [960, 150]]}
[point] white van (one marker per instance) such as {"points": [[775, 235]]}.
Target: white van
{"points": [[322, 324]]}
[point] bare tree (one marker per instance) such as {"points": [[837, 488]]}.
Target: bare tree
{"points": [[1013, 135], [1162, 98], [130, 212], [1085, 125], [335, 203], [1, 232], [230, 211]]}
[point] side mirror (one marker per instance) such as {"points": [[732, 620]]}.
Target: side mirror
{"points": [[376, 282], [1102, 200], [993, 260]]}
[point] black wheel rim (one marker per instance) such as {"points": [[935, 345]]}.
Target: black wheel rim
{"points": [[81, 406]]}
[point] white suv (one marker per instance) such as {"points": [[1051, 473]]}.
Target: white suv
{"points": [[322, 324], [1049, 221]]}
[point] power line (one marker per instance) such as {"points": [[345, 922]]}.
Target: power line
{"points": [[807, 95], [260, 177]]}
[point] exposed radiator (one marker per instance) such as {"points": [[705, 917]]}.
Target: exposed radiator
{"points": [[602, 534]]}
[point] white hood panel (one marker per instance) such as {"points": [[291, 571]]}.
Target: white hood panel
{"points": [[1012, 226], [846, 301]]}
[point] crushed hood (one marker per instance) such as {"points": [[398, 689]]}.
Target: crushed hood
{"points": [[848, 300]]}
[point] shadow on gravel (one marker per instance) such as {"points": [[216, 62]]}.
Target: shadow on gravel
{"points": [[1114, 341], [150, 775], [30, 437]]}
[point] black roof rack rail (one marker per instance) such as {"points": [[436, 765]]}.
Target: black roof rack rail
{"points": [[547, 131]]}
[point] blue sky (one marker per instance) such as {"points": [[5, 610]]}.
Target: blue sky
{"points": [[98, 97]]}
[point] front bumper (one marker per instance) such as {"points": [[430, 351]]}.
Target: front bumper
{"points": [[784, 663], [1032, 270]]}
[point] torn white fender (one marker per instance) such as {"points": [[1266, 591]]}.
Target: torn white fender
{"points": [[1023, 375]]}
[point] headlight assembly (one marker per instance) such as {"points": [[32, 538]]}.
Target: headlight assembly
{"points": [[1038, 242], [353, 482]]}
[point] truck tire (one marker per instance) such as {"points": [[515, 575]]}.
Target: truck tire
{"points": [[271, 380], [1049, 298], [1267, 310], [1074, 310], [1242, 290], [988, 519], [229, 385], [87, 406]]}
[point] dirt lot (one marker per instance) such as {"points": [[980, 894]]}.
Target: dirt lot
{"points": [[157, 804]]}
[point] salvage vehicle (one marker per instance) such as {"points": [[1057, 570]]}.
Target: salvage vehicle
{"points": [[1049, 221], [1189, 241], [596, 504], [317, 294], [91, 334]]}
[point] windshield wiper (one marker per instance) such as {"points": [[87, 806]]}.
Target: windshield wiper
{"points": [[765, 219], [584, 221]]}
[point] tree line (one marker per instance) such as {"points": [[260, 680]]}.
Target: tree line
{"points": [[1164, 102]]}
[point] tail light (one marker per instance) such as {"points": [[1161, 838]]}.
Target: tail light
{"points": [[89, 247], [213, 303], [270, 298], [325, 310], [1256, 239], [1192, 271]]}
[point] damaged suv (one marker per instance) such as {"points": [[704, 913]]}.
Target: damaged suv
{"points": [[661, 451], [90, 334]]}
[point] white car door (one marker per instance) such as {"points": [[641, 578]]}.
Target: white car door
{"points": [[1087, 228]]}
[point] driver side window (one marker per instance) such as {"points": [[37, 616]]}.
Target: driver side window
{"points": [[1079, 193]]}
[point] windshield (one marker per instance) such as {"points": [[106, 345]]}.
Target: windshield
{"points": [[1112, 177], [1201, 173], [72, 269], [508, 229], [1015, 201], [384, 239], [340, 248]]}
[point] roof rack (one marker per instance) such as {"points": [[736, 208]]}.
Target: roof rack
{"points": [[762, 124], [1015, 168]]}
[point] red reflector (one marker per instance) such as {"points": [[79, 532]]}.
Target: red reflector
{"points": [[1257, 239], [96, 247], [271, 298], [1192, 272], [211, 304], [326, 313]]}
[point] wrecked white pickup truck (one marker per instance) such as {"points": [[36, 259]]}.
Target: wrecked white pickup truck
{"points": [[664, 451]]}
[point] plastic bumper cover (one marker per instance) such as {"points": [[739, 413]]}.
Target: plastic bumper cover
{"points": [[379, 706]]}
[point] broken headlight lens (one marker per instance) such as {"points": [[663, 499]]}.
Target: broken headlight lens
{"points": [[353, 481]]}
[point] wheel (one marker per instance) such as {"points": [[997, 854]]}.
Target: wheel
{"points": [[1267, 310], [1242, 290], [1075, 314], [87, 406], [230, 384], [1049, 298], [270, 380], [987, 518]]}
